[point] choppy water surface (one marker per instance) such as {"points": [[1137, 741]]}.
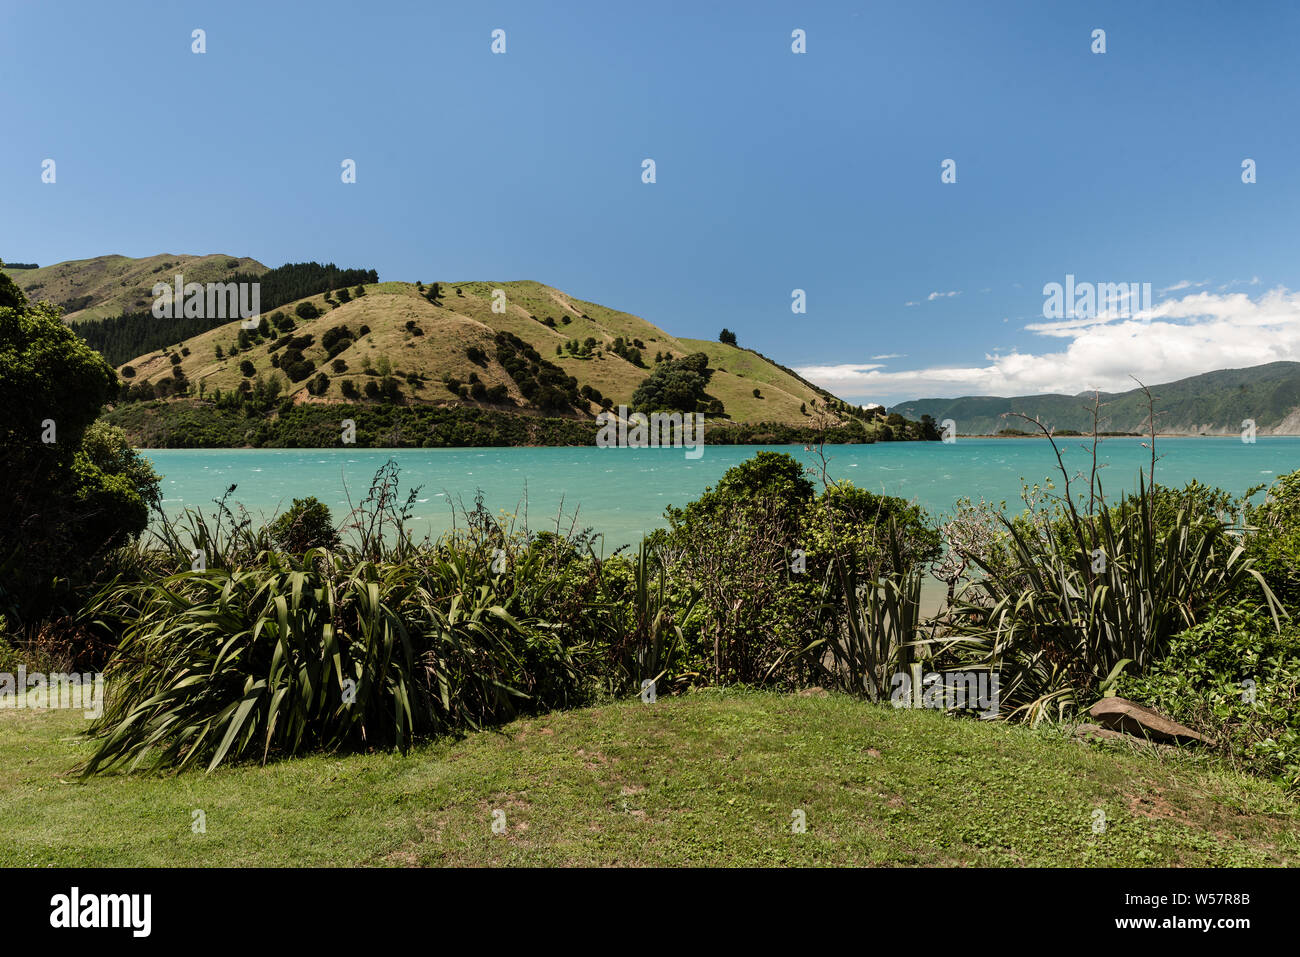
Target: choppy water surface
{"points": [[622, 492]]}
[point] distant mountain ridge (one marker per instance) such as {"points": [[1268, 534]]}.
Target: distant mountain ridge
{"points": [[1213, 403]]}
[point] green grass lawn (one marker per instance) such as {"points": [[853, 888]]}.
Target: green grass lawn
{"points": [[709, 779]]}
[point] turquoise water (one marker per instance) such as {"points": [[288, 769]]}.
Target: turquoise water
{"points": [[622, 492]]}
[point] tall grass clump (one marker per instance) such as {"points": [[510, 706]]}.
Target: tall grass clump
{"points": [[1069, 595], [253, 654]]}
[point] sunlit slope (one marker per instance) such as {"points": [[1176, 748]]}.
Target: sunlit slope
{"points": [[110, 285], [421, 344]]}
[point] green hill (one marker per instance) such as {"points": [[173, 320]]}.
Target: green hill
{"points": [[420, 345], [111, 285], [1214, 403]]}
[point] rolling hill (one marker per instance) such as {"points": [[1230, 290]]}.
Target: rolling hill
{"points": [[394, 331], [504, 367], [1214, 403], [110, 285]]}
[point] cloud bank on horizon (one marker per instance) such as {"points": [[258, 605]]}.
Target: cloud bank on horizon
{"points": [[1176, 338]]}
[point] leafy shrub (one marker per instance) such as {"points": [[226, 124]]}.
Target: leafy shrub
{"points": [[366, 646], [676, 385], [1233, 677], [63, 503], [732, 546], [335, 340], [306, 525], [1274, 545], [1075, 590]]}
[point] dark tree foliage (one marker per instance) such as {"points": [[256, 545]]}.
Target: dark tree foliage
{"points": [[727, 336], [63, 500], [134, 334], [541, 381], [676, 385], [337, 339], [306, 525], [629, 351]]}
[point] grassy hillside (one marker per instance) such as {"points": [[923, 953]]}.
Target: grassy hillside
{"points": [[709, 779], [110, 285], [421, 344], [1214, 403]]}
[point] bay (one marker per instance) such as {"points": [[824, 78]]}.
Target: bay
{"points": [[622, 492]]}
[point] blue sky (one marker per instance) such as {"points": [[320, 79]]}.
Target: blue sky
{"points": [[775, 171]]}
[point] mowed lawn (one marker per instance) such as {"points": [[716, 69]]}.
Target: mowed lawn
{"points": [[712, 778]]}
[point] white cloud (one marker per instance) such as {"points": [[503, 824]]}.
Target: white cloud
{"points": [[1176, 338], [942, 295], [892, 355], [1252, 281], [1183, 284], [911, 303]]}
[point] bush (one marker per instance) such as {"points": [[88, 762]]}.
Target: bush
{"points": [[676, 385], [1234, 678], [65, 502], [306, 525], [370, 647], [306, 311], [335, 340], [733, 547], [1275, 544], [1070, 592], [247, 369]]}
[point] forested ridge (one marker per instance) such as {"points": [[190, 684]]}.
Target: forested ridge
{"points": [[122, 338]]}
